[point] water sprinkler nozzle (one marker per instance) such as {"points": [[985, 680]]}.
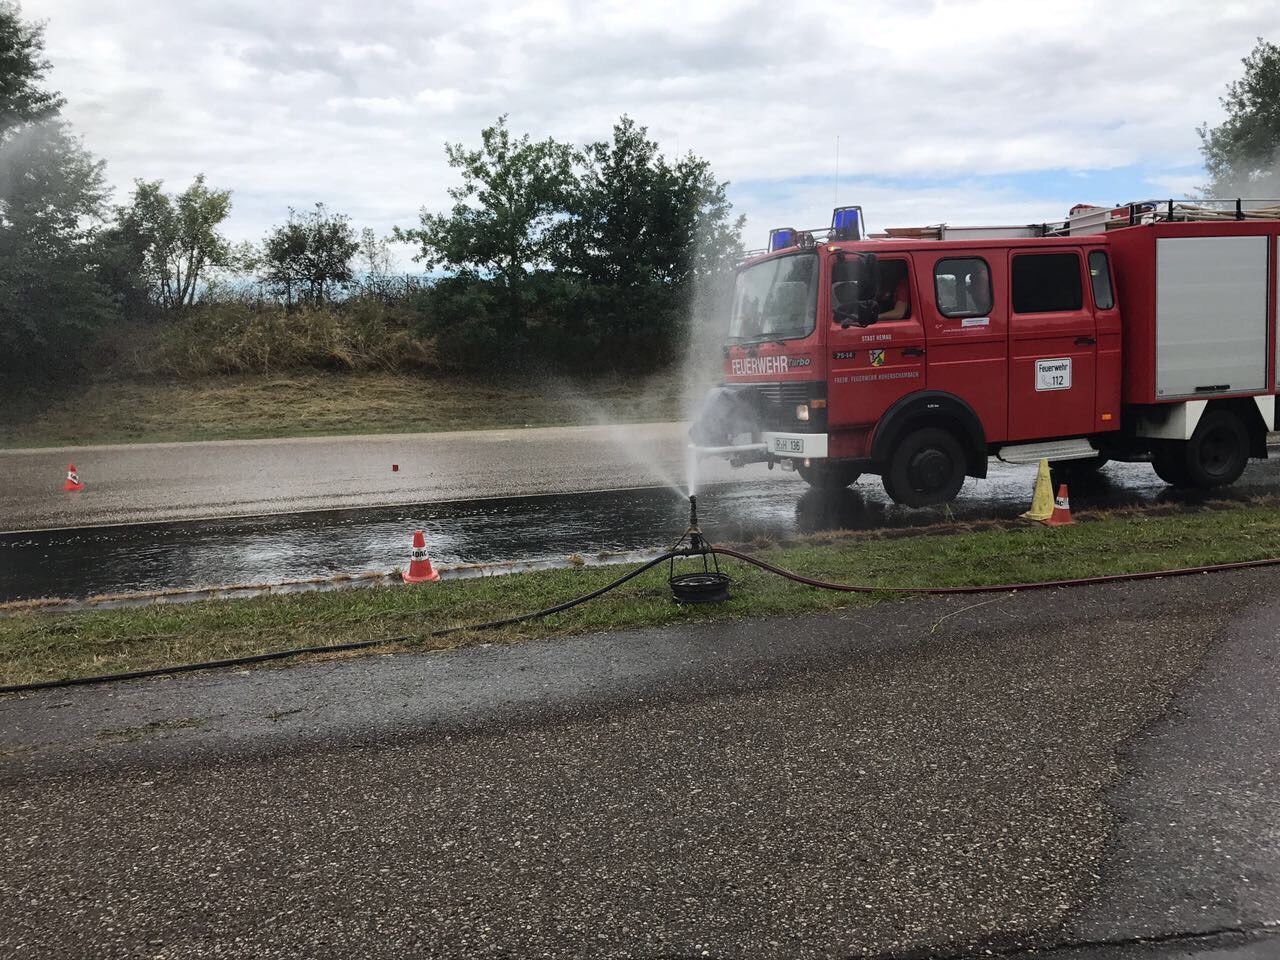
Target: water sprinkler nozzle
{"points": [[707, 586], [696, 543]]}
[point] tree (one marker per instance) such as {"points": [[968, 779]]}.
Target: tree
{"points": [[707, 237], [52, 195], [1241, 154], [640, 219], [22, 67], [309, 257], [615, 236], [376, 261], [177, 236], [649, 232], [588, 259], [514, 193], [374, 253]]}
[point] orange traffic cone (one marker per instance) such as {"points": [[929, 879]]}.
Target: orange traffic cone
{"points": [[1061, 509], [420, 569], [73, 479]]}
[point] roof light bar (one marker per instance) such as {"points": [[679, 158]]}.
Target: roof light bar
{"points": [[846, 223], [782, 237]]}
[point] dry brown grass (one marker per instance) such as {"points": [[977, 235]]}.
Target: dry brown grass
{"points": [[318, 404], [242, 337]]}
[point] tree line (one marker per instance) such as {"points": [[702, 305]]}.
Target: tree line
{"points": [[582, 258]]}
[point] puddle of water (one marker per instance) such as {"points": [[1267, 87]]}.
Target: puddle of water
{"points": [[110, 560]]}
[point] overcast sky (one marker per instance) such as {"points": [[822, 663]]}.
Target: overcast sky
{"points": [[967, 112]]}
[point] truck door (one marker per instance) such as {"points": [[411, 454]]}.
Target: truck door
{"points": [[872, 366], [1052, 346], [967, 332]]}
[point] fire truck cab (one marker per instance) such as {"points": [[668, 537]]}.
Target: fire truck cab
{"points": [[1143, 332]]}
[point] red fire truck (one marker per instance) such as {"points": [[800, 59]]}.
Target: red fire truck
{"points": [[1145, 332]]}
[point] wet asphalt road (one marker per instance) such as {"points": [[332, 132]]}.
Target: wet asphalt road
{"points": [[95, 561], [1044, 769], [172, 481]]}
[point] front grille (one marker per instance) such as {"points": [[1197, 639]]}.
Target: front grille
{"points": [[788, 393], [778, 402]]}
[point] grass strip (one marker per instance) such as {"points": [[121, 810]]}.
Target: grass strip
{"points": [[42, 646], [321, 404]]}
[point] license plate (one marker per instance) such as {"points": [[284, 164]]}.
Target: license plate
{"points": [[788, 445]]}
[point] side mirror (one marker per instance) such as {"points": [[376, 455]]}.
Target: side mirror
{"points": [[860, 305], [870, 279]]}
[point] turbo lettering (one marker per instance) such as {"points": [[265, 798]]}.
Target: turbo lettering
{"points": [[758, 366]]}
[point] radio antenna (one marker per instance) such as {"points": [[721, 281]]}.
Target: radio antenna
{"points": [[835, 191]]}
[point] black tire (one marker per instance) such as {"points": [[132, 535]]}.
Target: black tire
{"points": [[1167, 463], [927, 467], [1215, 456], [828, 475], [1218, 451]]}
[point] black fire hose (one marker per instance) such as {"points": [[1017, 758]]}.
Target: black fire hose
{"points": [[649, 565], [997, 587], [328, 648]]}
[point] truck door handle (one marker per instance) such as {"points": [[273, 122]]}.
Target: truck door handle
{"points": [[1085, 341], [913, 352]]}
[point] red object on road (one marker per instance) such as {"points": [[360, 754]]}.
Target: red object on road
{"points": [[73, 479], [420, 569], [395, 468], [1061, 515]]}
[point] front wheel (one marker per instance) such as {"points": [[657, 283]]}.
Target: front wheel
{"points": [[927, 468], [826, 475]]}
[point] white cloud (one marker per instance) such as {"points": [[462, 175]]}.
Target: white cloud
{"points": [[288, 103]]}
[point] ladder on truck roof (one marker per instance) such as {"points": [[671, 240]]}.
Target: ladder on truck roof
{"points": [[1085, 219], [1082, 220]]}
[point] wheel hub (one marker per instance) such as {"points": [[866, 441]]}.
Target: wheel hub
{"points": [[1216, 453], [929, 470]]}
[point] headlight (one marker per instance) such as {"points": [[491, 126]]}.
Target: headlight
{"points": [[802, 412]]}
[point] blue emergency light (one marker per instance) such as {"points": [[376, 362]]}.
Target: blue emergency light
{"points": [[846, 223], [781, 238]]}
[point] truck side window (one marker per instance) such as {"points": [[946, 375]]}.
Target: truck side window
{"points": [[1047, 283], [1100, 275], [963, 287]]}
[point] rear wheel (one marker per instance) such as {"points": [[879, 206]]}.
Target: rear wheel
{"points": [[1215, 456], [828, 475], [1218, 451], [927, 468]]}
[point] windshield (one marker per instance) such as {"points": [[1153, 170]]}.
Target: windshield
{"points": [[776, 300]]}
